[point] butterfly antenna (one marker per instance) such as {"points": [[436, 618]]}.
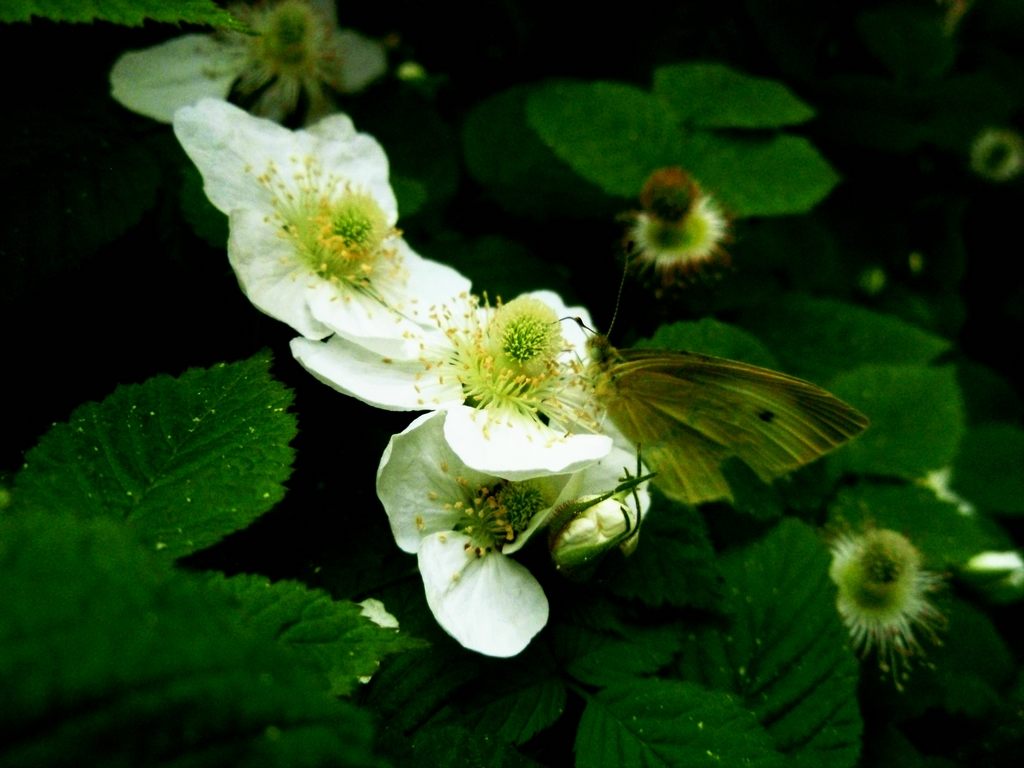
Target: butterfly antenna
{"points": [[618, 297]]}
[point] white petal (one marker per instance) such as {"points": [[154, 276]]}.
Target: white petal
{"points": [[271, 274], [411, 288], [393, 323], [417, 477], [426, 284], [157, 81], [390, 383], [517, 447], [231, 148], [490, 604], [356, 161], [360, 61]]}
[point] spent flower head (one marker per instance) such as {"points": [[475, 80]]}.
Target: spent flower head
{"points": [[997, 154], [680, 230], [509, 377], [294, 51], [884, 597], [464, 527], [312, 216]]}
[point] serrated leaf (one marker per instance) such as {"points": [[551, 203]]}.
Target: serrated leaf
{"points": [[611, 134], [523, 697], [654, 723], [602, 659], [818, 338], [182, 461], [110, 657], [937, 528], [673, 564], [449, 745], [758, 175], [505, 155], [130, 13], [711, 337], [786, 654], [713, 95], [331, 635], [967, 673], [989, 469], [411, 688], [917, 419]]}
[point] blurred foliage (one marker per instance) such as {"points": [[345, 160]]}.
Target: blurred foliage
{"points": [[865, 256]]}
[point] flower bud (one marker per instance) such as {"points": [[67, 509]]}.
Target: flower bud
{"points": [[594, 526], [998, 575]]}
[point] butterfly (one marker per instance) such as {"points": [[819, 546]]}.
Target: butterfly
{"points": [[688, 413]]}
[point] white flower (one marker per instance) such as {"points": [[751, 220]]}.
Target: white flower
{"points": [[510, 378], [312, 223], [296, 48], [884, 597], [463, 525]]}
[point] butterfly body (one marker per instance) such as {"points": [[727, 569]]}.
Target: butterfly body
{"points": [[689, 413]]}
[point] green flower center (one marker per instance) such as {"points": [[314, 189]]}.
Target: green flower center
{"points": [[497, 514], [341, 240], [511, 364], [288, 36]]}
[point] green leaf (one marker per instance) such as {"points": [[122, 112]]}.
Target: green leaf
{"points": [[967, 673], [911, 42], [76, 186], [819, 338], [448, 745], [937, 528], [673, 564], [183, 462], [130, 13], [611, 134], [712, 95], [666, 723], [110, 657], [602, 659], [987, 395], [504, 268], [758, 175], [987, 471], [504, 154], [424, 162], [711, 337], [523, 697], [787, 653], [206, 221], [412, 687], [411, 194], [332, 636], [917, 419]]}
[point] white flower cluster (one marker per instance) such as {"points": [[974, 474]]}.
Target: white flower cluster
{"points": [[512, 440]]}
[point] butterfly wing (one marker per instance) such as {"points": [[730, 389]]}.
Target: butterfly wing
{"points": [[689, 413]]}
